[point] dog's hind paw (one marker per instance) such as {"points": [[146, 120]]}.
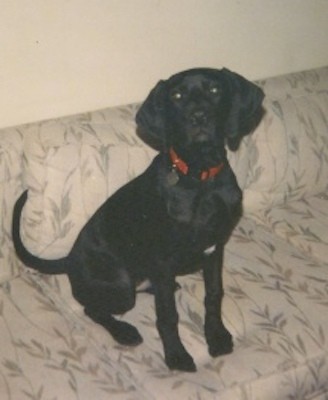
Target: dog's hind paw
{"points": [[123, 332]]}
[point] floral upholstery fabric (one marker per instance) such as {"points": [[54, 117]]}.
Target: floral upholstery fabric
{"points": [[288, 153], [302, 223], [275, 307], [72, 166], [275, 275]]}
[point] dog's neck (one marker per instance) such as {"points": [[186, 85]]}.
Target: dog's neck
{"points": [[182, 167]]}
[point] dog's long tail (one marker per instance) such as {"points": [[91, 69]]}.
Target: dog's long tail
{"points": [[59, 266]]}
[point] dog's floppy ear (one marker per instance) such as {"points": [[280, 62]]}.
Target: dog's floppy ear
{"points": [[150, 117], [245, 107]]}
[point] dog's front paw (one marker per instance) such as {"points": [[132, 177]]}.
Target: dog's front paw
{"points": [[219, 343], [180, 360]]}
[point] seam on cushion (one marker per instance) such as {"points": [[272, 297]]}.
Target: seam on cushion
{"points": [[277, 111], [283, 121], [10, 149], [299, 367], [27, 171]]}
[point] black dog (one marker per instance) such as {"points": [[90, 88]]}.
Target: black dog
{"points": [[173, 219]]}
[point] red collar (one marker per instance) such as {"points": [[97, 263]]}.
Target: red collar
{"points": [[181, 166]]}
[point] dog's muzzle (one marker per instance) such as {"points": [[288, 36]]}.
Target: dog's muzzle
{"points": [[199, 118]]}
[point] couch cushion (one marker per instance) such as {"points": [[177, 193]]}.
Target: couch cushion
{"points": [[267, 161], [275, 306], [302, 223], [289, 150], [72, 165], [46, 354]]}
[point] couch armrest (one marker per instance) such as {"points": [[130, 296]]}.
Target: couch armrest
{"points": [[11, 151]]}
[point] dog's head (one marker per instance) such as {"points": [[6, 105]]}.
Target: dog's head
{"points": [[200, 109]]}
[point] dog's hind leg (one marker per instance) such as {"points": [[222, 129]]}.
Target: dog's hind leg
{"points": [[103, 298]]}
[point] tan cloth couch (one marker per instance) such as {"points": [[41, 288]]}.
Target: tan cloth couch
{"points": [[276, 263]]}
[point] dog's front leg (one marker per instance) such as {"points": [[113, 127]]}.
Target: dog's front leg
{"points": [[219, 340], [176, 356]]}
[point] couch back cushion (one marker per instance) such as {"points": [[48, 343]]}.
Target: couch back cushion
{"points": [[288, 152], [72, 165]]}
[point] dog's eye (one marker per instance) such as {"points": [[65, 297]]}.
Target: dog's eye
{"points": [[214, 90], [176, 95]]}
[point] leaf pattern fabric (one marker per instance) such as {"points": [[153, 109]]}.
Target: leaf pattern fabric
{"points": [[275, 265]]}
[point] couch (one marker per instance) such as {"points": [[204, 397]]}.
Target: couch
{"points": [[275, 266]]}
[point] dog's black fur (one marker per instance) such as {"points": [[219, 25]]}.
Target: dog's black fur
{"points": [[165, 223]]}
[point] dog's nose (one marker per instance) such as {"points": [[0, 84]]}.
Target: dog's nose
{"points": [[198, 117]]}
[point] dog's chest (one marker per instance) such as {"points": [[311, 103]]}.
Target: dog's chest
{"points": [[196, 214]]}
